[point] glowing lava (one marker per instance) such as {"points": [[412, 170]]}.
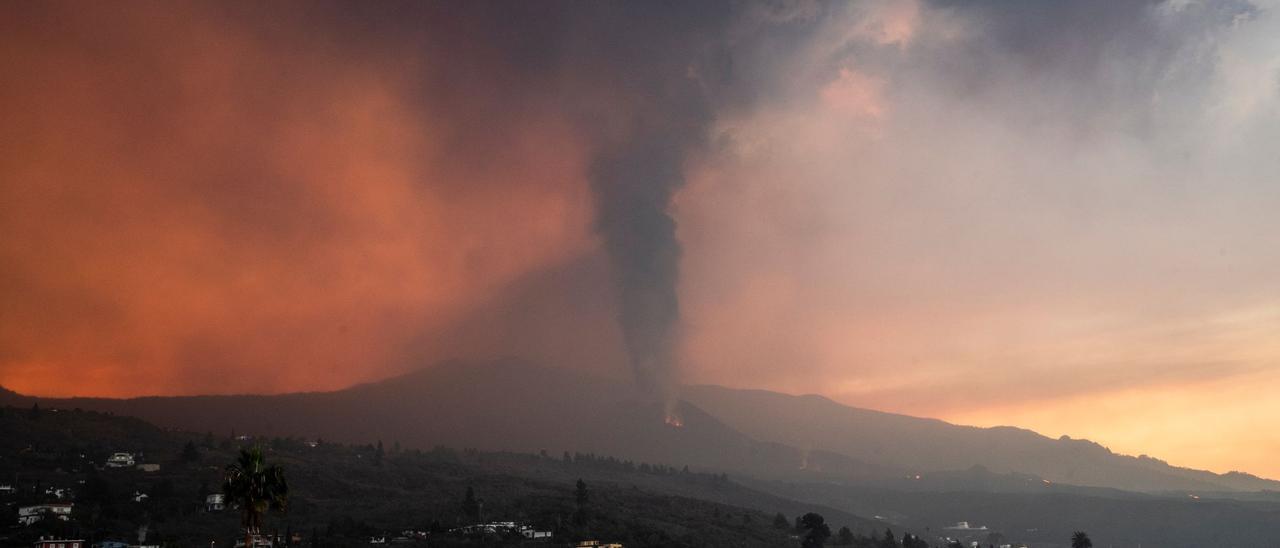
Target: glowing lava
{"points": [[674, 421]]}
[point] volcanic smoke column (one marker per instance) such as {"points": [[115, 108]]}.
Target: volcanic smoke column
{"points": [[649, 78], [634, 181], [633, 186]]}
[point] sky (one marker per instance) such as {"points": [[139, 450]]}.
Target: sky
{"points": [[1055, 215]]}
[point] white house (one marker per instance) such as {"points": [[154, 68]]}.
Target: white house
{"points": [[31, 514], [530, 532], [59, 492], [216, 502], [259, 541], [120, 460]]}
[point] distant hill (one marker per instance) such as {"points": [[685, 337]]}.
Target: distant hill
{"points": [[925, 445], [347, 493], [521, 407], [494, 406], [1047, 520]]}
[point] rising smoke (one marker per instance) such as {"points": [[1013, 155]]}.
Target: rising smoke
{"points": [[657, 60]]}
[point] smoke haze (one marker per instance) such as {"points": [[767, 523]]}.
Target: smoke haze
{"points": [[1054, 214]]}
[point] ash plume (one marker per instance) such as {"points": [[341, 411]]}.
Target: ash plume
{"points": [[408, 160], [633, 188], [656, 60]]}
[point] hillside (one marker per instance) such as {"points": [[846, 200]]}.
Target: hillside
{"points": [[344, 494], [1046, 519], [521, 407], [929, 445], [498, 406]]}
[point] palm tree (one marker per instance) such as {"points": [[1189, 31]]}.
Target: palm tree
{"points": [[257, 488], [1081, 540]]}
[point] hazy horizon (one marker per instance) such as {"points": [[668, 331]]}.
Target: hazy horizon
{"points": [[1058, 216]]}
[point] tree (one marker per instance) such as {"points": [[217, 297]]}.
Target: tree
{"points": [[580, 498], [377, 454], [844, 537], [912, 541], [257, 487], [780, 521], [889, 541], [995, 538], [190, 453], [1080, 539], [97, 491], [816, 530], [580, 493], [470, 506], [34, 413]]}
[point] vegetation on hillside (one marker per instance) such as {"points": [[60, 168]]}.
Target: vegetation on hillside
{"points": [[344, 495]]}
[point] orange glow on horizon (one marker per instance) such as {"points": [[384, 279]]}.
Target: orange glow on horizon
{"points": [[909, 214]]}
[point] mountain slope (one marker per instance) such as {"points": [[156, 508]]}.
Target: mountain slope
{"points": [[517, 406], [925, 445], [1049, 519], [497, 406], [345, 494]]}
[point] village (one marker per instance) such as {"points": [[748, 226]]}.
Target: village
{"points": [[41, 501]]}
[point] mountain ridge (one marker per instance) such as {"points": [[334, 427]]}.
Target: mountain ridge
{"points": [[514, 405]]}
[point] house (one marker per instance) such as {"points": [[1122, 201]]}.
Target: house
{"points": [[59, 492], [31, 514], [139, 496], [111, 544], [496, 527], [964, 526], [59, 543], [259, 541], [7, 489], [531, 533], [598, 544], [216, 502], [120, 460]]}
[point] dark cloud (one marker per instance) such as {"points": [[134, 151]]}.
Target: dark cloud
{"points": [[1100, 61], [878, 200], [212, 183]]}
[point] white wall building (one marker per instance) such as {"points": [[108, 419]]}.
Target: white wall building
{"points": [[216, 502], [31, 514], [120, 460]]}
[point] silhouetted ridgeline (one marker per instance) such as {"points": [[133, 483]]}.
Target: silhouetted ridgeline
{"points": [[511, 406], [343, 494]]}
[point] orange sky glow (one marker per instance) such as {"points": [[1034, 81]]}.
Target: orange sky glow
{"points": [[206, 200]]}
